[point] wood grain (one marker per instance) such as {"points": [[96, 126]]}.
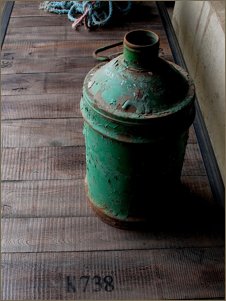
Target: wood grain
{"points": [[49, 33], [19, 49], [66, 198], [41, 106], [47, 198], [68, 163], [46, 19], [56, 65], [45, 132], [42, 132], [192, 136], [90, 234], [43, 83], [139, 12], [149, 17], [193, 163], [146, 275], [43, 163], [199, 187], [28, 8]]}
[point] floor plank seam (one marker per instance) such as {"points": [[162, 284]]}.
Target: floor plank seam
{"points": [[82, 146], [120, 250], [47, 179], [47, 118], [44, 217], [46, 72], [2, 95]]}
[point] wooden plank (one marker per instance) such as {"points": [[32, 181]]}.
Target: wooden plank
{"points": [[28, 8], [49, 33], [43, 83], [22, 48], [172, 274], [42, 132], [52, 198], [41, 106], [51, 106], [49, 19], [141, 11], [41, 65], [193, 163], [42, 163], [192, 135], [46, 19], [55, 198], [198, 187], [48, 106], [91, 234], [57, 65]]}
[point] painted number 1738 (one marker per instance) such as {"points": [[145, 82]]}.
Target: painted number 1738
{"points": [[90, 283]]}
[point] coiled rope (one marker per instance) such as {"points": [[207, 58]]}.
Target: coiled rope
{"points": [[92, 13]]}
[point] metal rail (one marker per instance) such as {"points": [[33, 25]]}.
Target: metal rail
{"points": [[7, 10], [209, 159]]}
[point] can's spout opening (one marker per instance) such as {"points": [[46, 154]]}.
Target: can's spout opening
{"points": [[141, 38], [140, 48]]}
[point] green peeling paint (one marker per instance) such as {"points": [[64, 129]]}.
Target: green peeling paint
{"points": [[136, 123]]}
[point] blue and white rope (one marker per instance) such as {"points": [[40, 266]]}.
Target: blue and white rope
{"points": [[95, 13]]}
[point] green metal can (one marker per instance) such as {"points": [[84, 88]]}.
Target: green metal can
{"points": [[137, 111]]}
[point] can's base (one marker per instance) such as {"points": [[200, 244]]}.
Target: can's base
{"points": [[129, 223], [161, 212], [132, 223]]}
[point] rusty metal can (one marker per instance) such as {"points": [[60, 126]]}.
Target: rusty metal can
{"points": [[137, 111]]}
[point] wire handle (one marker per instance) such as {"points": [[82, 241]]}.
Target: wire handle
{"points": [[101, 49]]}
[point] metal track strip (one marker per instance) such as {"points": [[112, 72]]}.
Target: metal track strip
{"points": [[5, 19]]}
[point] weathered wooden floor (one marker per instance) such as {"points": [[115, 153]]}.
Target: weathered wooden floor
{"points": [[53, 246]]}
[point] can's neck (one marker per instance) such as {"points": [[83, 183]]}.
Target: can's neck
{"points": [[140, 49]]}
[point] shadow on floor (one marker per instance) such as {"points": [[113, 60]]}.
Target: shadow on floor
{"points": [[178, 211]]}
